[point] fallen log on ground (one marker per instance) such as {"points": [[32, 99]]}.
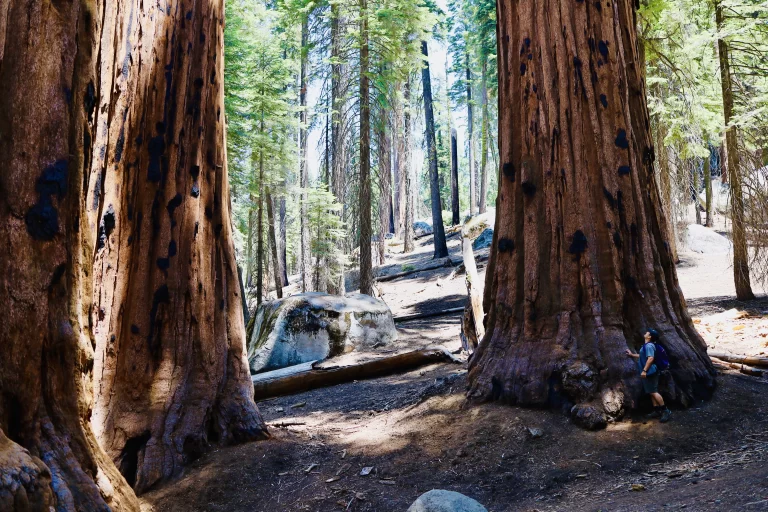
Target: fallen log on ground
{"points": [[740, 359], [430, 314], [443, 262], [303, 377], [746, 370]]}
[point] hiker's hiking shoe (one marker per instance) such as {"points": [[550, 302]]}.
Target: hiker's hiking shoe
{"points": [[655, 414], [666, 415]]}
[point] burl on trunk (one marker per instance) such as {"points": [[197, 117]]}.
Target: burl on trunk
{"points": [[579, 265]]}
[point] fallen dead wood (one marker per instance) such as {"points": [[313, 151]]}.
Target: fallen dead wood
{"points": [[443, 262], [746, 370], [741, 359], [472, 323], [304, 377], [430, 314]]}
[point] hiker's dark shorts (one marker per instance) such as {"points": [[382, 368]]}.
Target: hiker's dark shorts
{"points": [[651, 383]]}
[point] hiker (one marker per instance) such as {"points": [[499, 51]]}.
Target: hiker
{"points": [[649, 373]]}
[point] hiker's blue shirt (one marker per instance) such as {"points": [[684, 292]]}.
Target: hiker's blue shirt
{"points": [[648, 350]]}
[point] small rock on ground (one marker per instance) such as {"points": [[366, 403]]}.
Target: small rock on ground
{"points": [[438, 500]]}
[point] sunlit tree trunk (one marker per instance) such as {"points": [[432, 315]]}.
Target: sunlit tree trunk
{"points": [[471, 142], [438, 232], [484, 137], [385, 186], [580, 265], [400, 170], [408, 235], [167, 324], [305, 262], [738, 222], [338, 129], [277, 273], [260, 229], [364, 202], [708, 187]]}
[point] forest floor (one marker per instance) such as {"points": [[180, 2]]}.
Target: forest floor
{"points": [[417, 432]]}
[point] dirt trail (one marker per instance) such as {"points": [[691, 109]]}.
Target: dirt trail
{"points": [[417, 432]]}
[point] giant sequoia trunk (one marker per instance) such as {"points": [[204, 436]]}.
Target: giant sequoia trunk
{"points": [[167, 326], [740, 250], [580, 265], [49, 456]]}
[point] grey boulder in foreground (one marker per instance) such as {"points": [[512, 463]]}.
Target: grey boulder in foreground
{"points": [[438, 500], [315, 326]]}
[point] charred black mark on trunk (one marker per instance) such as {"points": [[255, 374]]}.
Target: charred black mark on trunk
{"points": [[163, 263], [89, 101], [56, 276], [599, 7], [506, 245], [649, 156], [634, 235], [161, 296], [217, 230], [42, 218], [621, 140], [497, 389], [609, 197], [174, 203], [623, 170], [604, 100], [197, 228], [195, 191], [156, 150], [208, 212], [603, 47], [509, 171], [209, 158], [579, 243], [120, 145], [106, 226], [222, 304], [172, 249], [529, 189], [134, 329], [194, 171], [522, 68], [617, 239]]}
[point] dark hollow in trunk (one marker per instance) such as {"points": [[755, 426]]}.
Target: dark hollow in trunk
{"points": [[579, 266]]}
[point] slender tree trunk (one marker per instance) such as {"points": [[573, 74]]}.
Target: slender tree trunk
{"points": [[665, 179], [399, 167], [470, 142], [484, 138], [708, 188], [260, 229], [338, 128], [364, 203], [738, 221], [385, 186], [306, 256], [273, 244], [168, 327], [455, 179], [696, 184], [438, 232], [249, 245], [49, 456], [579, 267], [408, 235], [283, 225]]}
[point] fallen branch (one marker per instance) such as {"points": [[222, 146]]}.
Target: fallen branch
{"points": [[286, 424], [443, 262], [304, 377], [430, 314], [736, 358], [746, 370]]}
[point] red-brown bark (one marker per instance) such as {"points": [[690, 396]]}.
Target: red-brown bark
{"points": [[580, 265], [49, 456], [171, 376]]}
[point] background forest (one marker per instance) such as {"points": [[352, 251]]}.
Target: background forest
{"points": [[294, 74]]}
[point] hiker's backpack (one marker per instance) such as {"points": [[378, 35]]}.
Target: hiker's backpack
{"points": [[661, 360]]}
